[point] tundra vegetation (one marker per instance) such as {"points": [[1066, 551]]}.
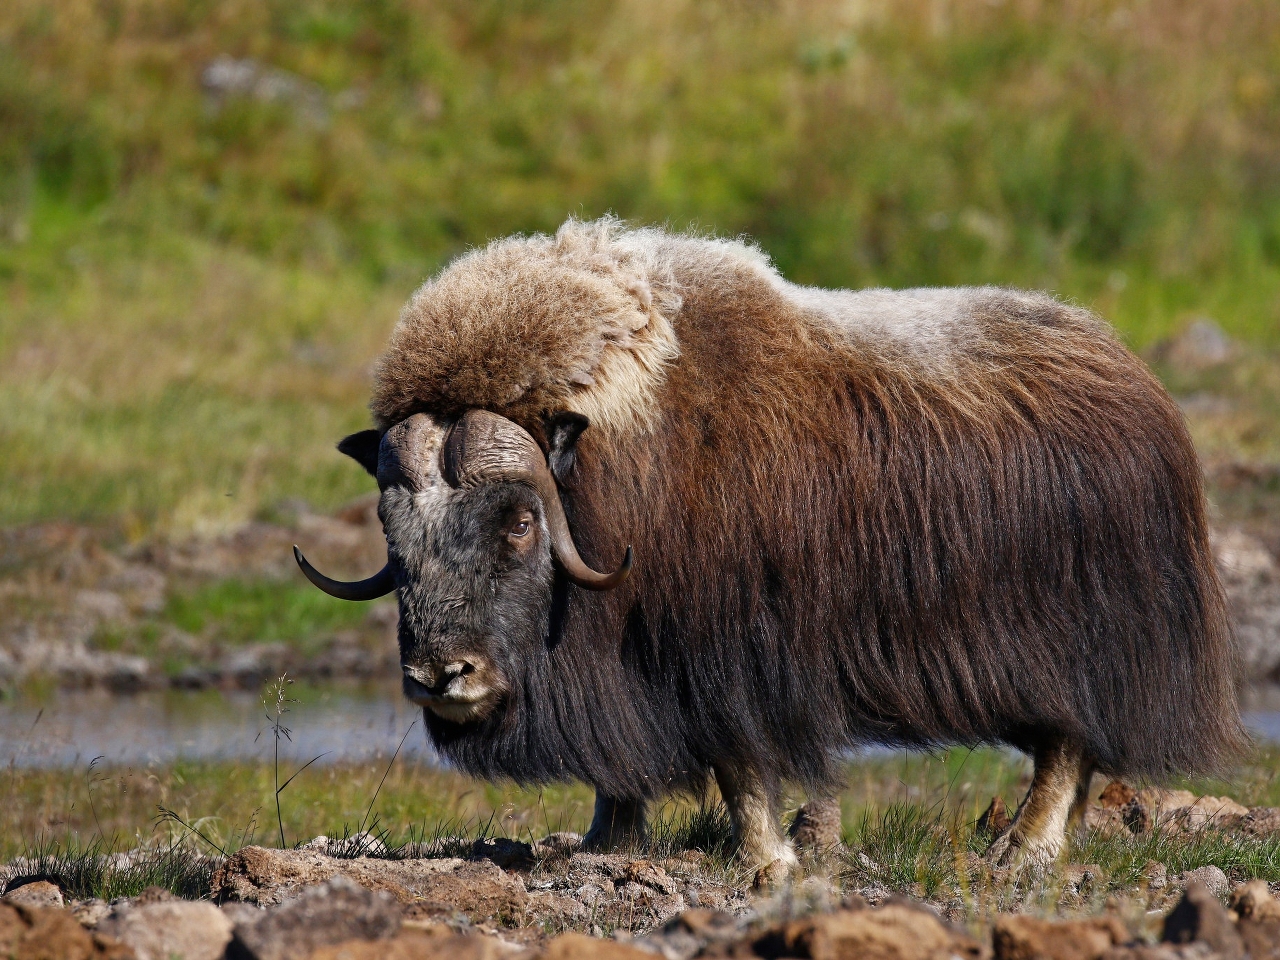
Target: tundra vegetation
{"points": [[197, 265], [210, 216]]}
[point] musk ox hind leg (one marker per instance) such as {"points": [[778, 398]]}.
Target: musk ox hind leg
{"points": [[754, 815], [1039, 828], [617, 822]]}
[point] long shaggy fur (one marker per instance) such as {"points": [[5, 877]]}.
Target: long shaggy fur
{"points": [[922, 518]]}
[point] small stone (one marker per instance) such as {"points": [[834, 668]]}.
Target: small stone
{"points": [[443, 944], [1030, 938], [1261, 821], [995, 819], [38, 893], [1116, 794], [1199, 917], [818, 826], [45, 933], [1155, 874], [91, 912], [651, 875], [1200, 346], [564, 843], [1210, 876], [576, 946], [154, 894], [160, 930], [239, 913], [898, 929], [322, 915], [1253, 901], [1082, 879]]}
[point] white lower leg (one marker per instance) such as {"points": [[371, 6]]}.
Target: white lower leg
{"points": [[1039, 828], [753, 812]]}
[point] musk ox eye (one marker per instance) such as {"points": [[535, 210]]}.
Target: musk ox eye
{"points": [[520, 528]]}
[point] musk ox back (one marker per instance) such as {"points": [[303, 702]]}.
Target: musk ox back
{"points": [[953, 516]]}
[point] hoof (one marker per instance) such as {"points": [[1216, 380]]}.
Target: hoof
{"points": [[773, 875], [1010, 851]]}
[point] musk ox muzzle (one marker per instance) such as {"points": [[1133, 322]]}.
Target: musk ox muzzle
{"points": [[479, 447]]}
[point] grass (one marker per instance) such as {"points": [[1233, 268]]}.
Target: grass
{"points": [[92, 870], [909, 823], [193, 285], [243, 611]]}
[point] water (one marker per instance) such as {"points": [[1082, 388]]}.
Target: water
{"points": [[340, 725], [73, 729]]}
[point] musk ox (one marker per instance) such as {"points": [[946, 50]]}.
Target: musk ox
{"points": [[920, 517]]}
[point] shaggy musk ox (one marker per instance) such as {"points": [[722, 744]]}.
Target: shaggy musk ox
{"points": [[942, 516]]}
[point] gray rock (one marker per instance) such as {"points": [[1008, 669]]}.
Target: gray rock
{"points": [[1213, 879], [319, 916], [227, 77], [564, 843], [91, 912], [173, 928], [38, 893], [1252, 580], [1201, 345]]}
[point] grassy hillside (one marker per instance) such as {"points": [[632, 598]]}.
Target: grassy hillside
{"points": [[210, 212]]}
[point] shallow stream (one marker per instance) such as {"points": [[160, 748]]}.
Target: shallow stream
{"points": [[74, 728], [339, 724]]}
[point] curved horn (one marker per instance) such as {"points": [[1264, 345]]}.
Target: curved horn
{"points": [[379, 585], [482, 446]]}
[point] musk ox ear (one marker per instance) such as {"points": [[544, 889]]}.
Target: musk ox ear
{"points": [[563, 431], [362, 447]]}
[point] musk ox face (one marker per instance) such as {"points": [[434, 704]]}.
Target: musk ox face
{"points": [[475, 574], [475, 529]]}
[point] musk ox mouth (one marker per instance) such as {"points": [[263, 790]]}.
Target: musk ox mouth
{"points": [[460, 691]]}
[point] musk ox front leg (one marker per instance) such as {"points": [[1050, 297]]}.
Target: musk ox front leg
{"points": [[1039, 828], [754, 815], [616, 823]]}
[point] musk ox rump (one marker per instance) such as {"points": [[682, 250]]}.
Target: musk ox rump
{"points": [[921, 517]]}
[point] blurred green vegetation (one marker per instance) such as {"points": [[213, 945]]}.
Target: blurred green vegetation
{"points": [[197, 266], [259, 611]]}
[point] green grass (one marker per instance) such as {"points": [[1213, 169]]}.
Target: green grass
{"points": [[90, 871], [909, 823], [192, 289], [261, 611]]}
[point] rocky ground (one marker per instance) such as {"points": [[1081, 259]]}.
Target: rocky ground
{"points": [[81, 608], [501, 898], [290, 905]]}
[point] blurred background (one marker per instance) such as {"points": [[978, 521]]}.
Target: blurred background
{"points": [[211, 212]]}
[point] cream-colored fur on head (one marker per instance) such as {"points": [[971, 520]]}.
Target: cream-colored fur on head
{"points": [[589, 320], [528, 325]]}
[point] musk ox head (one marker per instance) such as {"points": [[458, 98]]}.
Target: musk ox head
{"points": [[475, 529]]}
